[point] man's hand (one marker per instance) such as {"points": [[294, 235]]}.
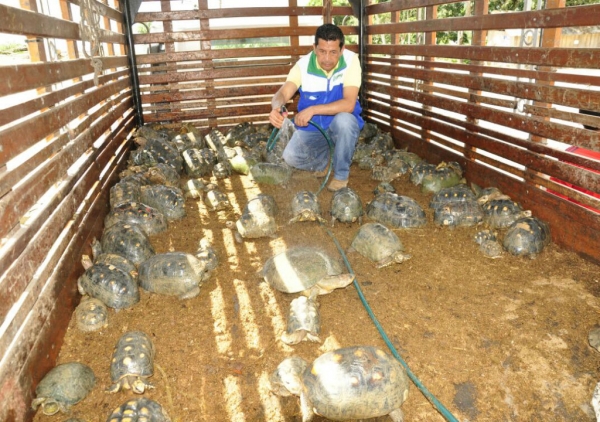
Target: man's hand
{"points": [[276, 117], [302, 118]]}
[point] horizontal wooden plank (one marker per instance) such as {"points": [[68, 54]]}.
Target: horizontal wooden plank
{"points": [[233, 34], [399, 5], [237, 12], [547, 129], [40, 338], [31, 131], [553, 57], [263, 89], [549, 18], [566, 96], [14, 280], [517, 72], [241, 112], [213, 74], [23, 77], [14, 20], [105, 10]]}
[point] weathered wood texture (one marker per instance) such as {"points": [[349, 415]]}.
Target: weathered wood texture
{"points": [[62, 139], [509, 115]]}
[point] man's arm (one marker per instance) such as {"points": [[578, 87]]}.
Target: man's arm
{"points": [[346, 104], [281, 97]]}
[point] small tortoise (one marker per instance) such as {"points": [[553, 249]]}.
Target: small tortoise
{"points": [[271, 174], [527, 236], [262, 204], [111, 279], [458, 214], [304, 321], [488, 244], [383, 187], [346, 206], [132, 363], [124, 192], [420, 170], [385, 173], [207, 254], [305, 207], [253, 225], [198, 163], [357, 382], [156, 151], [445, 175], [168, 200], [222, 170], [216, 200], [127, 240], [379, 244], [162, 174], [173, 273], [501, 212], [147, 218], [396, 211], [91, 315], [62, 387], [193, 188], [457, 193], [305, 269]]}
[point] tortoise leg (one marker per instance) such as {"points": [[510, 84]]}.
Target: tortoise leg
{"points": [[191, 293], [306, 408], [397, 415]]}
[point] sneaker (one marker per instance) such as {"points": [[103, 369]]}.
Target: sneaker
{"points": [[337, 185], [321, 173]]}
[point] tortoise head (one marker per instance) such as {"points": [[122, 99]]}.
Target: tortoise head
{"points": [[286, 380], [138, 386], [49, 405]]}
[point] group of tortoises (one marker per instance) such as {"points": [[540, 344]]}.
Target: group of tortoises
{"points": [[349, 383]]}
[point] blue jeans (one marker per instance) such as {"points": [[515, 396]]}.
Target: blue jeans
{"points": [[308, 150]]}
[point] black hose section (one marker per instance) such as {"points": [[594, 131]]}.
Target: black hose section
{"points": [[330, 164], [135, 82], [436, 403]]}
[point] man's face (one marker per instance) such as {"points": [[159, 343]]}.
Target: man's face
{"points": [[328, 54]]}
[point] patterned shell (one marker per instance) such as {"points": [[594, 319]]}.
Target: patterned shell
{"points": [[198, 163], [64, 386], [376, 242], [132, 355], [396, 211], [355, 383], [527, 236], [91, 315], [168, 200], [501, 213], [305, 207], [141, 409], [458, 214], [128, 241], [124, 192], [149, 219], [346, 206], [303, 322], [457, 193], [173, 273]]}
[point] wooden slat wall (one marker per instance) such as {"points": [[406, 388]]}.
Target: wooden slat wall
{"points": [[506, 114], [213, 87], [62, 140]]}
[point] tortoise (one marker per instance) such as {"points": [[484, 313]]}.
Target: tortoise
{"points": [[346, 206], [305, 207], [216, 200], [305, 269], [384, 187], [371, 161], [156, 151], [168, 200], [237, 134], [357, 382], [253, 226], [488, 244], [128, 241], [303, 322], [398, 164], [173, 273], [147, 218], [207, 254], [270, 173], [485, 194], [410, 158], [91, 315], [162, 174], [198, 163], [382, 141], [74, 420], [527, 236], [185, 141], [457, 193], [385, 173], [361, 151], [501, 212], [124, 192], [420, 170], [193, 188], [137, 178], [252, 139], [396, 211], [379, 244], [222, 170], [132, 363], [445, 175], [458, 214], [111, 279], [62, 387], [368, 131], [141, 409], [262, 204]]}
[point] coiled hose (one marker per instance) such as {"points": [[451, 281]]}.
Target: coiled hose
{"points": [[436, 403]]}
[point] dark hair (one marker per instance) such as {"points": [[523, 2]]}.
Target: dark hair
{"points": [[329, 32]]}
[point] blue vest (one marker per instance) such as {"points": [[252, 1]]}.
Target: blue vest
{"points": [[316, 89]]}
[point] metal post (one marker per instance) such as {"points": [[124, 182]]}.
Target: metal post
{"points": [[137, 101], [362, 51]]}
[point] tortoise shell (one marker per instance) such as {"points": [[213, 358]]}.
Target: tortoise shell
{"points": [[444, 176], [161, 151], [346, 206], [527, 236], [198, 163], [141, 409], [63, 386], [458, 214], [502, 212], [303, 322], [147, 218], [262, 204], [457, 193], [256, 225], [91, 315], [173, 273], [305, 207], [124, 192], [168, 200], [128, 241], [216, 200], [420, 170], [132, 362], [396, 211], [378, 243]]}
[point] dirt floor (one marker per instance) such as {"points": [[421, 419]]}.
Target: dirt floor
{"points": [[493, 340]]}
